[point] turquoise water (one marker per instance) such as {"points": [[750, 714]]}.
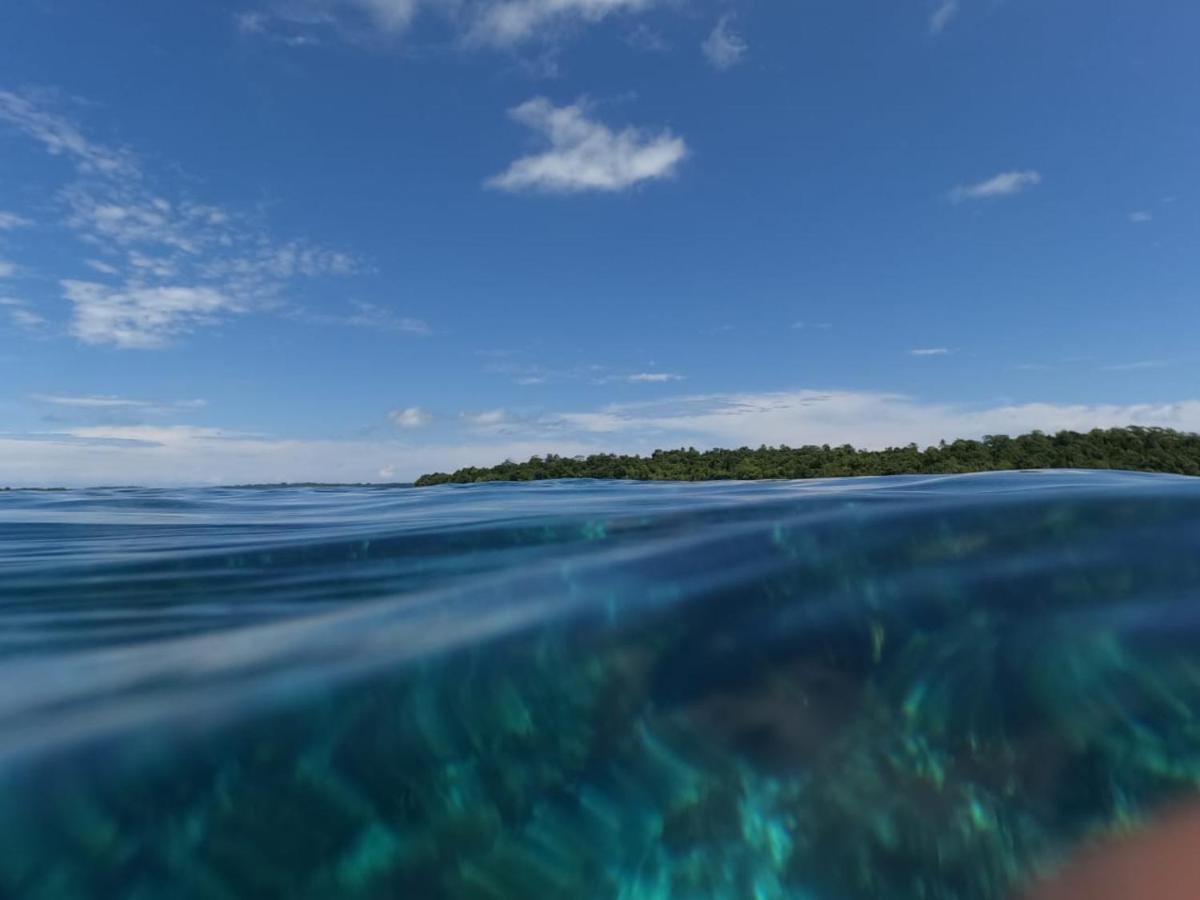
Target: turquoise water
{"points": [[887, 687]]}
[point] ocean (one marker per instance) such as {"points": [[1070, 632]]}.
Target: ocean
{"points": [[902, 687]]}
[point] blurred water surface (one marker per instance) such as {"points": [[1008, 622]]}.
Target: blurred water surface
{"points": [[888, 687]]}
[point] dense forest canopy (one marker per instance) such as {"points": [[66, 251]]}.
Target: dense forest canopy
{"points": [[1133, 448]]}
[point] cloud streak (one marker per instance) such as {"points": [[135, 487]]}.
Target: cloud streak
{"points": [[478, 23], [941, 17], [11, 221], [1006, 184], [583, 154], [109, 403]]}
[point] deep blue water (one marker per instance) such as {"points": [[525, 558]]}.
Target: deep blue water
{"points": [[891, 687]]}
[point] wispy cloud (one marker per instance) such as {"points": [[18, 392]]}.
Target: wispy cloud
{"points": [[410, 417], [1136, 366], [19, 314], [1141, 216], [930, 351], [11, 221], [865, 419], [490, 418], [643, 37], [170, 264], [279, 29], [1003, 185], [371, 316], [724, 48], [652, 377], [7, 269], [586, 155], [110, 403], [941, 17], [800, 325], [508, 22], [62, 138], [490, 23]]}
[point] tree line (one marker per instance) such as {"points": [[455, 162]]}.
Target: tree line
{"points": [[1133, 448]]}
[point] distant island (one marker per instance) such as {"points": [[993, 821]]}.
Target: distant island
{"points": [[1133, 448]]}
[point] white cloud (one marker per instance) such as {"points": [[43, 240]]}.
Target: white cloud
{"points": [[370, 315], [61, 138], [20, 314], [410, 417], [181, 263], [930, 351], [943, 16], [724, 48], [507, 22], [10, 221], [141, 317], [802, 325], [487, 419], [261, 24], [586, 155], [187, 455], [652, 377], [109, 403], [174, 454], [102, 267], [494, 23], [1140, 216], [1003, 185], [7, 269], [869, 420]]}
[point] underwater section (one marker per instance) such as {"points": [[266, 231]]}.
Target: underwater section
{"points": [[894, 687]]}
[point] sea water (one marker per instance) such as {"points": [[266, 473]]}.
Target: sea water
{"points": [[909, 687]]}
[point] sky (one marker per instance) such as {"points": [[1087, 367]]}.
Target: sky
{"points": [[359, 240]]}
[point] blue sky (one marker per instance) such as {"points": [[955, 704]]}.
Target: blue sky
{"points": [[363, 239]]}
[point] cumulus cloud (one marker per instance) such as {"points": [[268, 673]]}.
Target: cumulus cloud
{"points": [[1003, 185], [586, 155], [169, 264], [141, 317], [724, 48], [943, 16], [410, 417]]}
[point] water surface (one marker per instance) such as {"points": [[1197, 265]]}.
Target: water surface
{"points": [[889, 687]]}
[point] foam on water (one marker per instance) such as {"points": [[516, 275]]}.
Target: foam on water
{"points": [[888, 687]]}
